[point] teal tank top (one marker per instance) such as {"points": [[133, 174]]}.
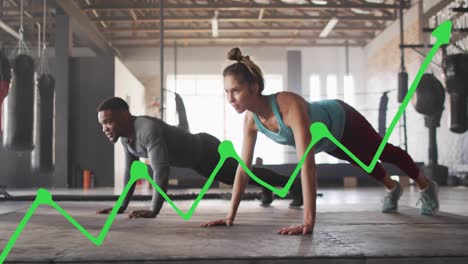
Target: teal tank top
{"points": [[329, 112]]}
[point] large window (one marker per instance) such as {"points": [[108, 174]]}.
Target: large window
{"points": [[332, 87], [315, 92], [208, 111], [349, 90], [331, 92], [202, 96]]}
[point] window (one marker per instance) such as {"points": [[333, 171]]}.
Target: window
{"points": [[315, 90], [349, 89], [201, 95], [332, 88], [315, 95], [208, 111]]}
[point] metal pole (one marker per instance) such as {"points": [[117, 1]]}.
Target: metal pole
{"points": [[175, 66], [403, 69], [402, 38], [161, 54], [347, 57]]}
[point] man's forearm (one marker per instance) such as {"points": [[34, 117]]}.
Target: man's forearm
{"points": [[161, 178], [129, 195]]}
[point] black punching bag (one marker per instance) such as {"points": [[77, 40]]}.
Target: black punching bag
{"points": [[19, 113], [383, 114], [457, 86], [42, 155], [402, 85], [5, 77], [180, 107], [429, 97]]}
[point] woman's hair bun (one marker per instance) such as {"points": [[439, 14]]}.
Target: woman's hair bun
{"points": [[235, 54]]}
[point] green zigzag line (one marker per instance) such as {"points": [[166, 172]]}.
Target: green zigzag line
{"points": [[226, 149]]}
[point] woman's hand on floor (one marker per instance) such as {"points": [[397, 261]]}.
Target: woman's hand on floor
{"points": [[296, 230], [108, 210], [142, 214], [220, 222]]}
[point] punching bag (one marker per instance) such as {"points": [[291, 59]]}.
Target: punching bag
{"points": [[180, 107], [429, 97], [5, 77], [456, 76], [42, 155], [383, 114], [19, 113], [402, 85]]}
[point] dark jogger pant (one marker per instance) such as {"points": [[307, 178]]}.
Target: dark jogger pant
{"points": [[226, 175], [363, 141]]}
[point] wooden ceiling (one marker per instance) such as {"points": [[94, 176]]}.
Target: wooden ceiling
{"points": [[136, 23]]}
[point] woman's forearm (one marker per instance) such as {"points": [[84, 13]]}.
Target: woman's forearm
{"points": [[309, 192], [240, 183]]}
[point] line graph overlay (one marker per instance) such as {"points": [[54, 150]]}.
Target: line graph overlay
{"points": [[226, 149]]}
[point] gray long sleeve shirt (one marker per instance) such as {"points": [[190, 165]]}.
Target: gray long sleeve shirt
{"points": [[164, 145]]}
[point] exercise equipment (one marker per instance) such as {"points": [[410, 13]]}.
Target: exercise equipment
{"points": [[429, 97], [5, 78], [42, 155], [402, 75], [19, 113], [383, 105], [456, 74], [429, 100], [180, 107]]}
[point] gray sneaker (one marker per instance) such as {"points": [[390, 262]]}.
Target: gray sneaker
{"points": [[390, 201], [429, 199]]}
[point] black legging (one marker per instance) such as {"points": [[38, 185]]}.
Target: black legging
{"points": [[227, 173], [361, 139]]}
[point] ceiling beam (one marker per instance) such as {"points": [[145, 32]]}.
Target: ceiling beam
{"points": [[238, 38], [14, 9], [90, 31], [244, 19], [234, 30], [437, 7], [262, 45], [237, 6]]}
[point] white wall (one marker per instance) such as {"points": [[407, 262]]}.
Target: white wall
{"points": [[272, 60], [131, 90]]}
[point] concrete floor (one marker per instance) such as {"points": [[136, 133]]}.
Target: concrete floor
{"points": [[349, 229]]}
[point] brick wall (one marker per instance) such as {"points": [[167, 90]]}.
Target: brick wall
{"points": [[382, 67]]}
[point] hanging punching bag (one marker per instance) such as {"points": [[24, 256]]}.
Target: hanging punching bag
{"points": [[383, 114], [42, 155], [5, 77], [402, 85], [180, 107], [429, 97], [19, 113], [457, 86]]}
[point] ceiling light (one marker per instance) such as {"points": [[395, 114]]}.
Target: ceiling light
{"points": [[319, 2], [260, 15], [300, 2], [329, 27], [214, 25], [360, 11]]}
